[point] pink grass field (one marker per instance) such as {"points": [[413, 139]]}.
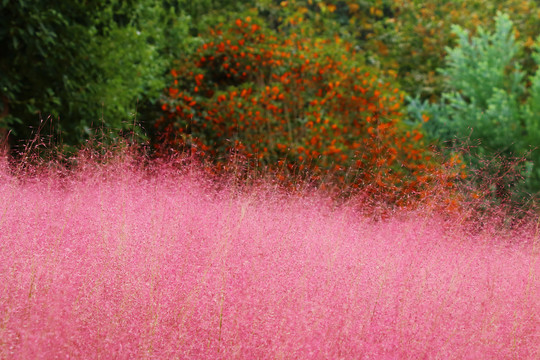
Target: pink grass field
{"points": [[114, 263]]}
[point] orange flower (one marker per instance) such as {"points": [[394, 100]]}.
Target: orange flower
{"points": [[173, 92]]}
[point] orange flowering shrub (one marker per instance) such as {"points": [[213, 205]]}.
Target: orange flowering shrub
{"points": [[306, 105]]}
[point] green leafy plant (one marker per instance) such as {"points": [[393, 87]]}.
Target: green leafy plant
{"points": [[403, 38], [487, 101], [84, 64]]}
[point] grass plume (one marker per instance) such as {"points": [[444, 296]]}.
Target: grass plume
{"points": [[112, 260]]}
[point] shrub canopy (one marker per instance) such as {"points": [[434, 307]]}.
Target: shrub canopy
{"points": [[300, 103]]}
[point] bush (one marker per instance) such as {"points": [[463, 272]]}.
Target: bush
{"points": [[416, 35], [404, 38], [487, 101], [85, 64], [308, 105]]}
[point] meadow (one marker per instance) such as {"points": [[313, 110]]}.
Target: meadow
{"points": [[263, 179], [115, 261]]}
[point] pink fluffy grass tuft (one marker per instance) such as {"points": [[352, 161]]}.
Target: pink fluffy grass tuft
{"points": [[112, 262]]}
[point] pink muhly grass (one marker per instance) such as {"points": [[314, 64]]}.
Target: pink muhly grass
{"points": [[113, 262]]}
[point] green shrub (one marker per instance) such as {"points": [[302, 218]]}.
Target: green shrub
{"points": [[415, 35], [404, 38], [85, 64], [487, 100]]}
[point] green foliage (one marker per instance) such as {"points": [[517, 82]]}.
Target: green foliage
{"points": [[485, 101], [402, 38], [532, 121], [416, 34], [485, 85], [206, 13], [86, 64]]}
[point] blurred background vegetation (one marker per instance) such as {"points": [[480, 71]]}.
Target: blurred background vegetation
{"points": [[71, 68]]}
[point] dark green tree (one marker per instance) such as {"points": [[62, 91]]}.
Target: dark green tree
{"points": [[76, 65]]}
